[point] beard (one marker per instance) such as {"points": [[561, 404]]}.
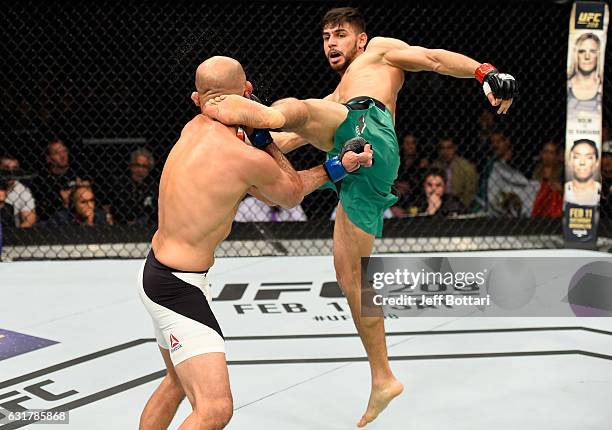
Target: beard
{"points": [[348, 58]]}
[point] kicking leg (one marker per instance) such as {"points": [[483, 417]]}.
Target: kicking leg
{"points": [[314, 120], [162, 406], [350, 245], [237, 110]]}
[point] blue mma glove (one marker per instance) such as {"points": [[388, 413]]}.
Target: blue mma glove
{"points": [[334, 168]]}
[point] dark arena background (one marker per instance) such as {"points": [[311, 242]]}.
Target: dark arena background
{"points": [[488, 322], [108, 78]]}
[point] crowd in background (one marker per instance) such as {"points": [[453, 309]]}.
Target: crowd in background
{"points": [[494, 180], [485, 175], [64, 194]]}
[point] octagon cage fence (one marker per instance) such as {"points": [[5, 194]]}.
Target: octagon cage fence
{"points": [[95, 94]]}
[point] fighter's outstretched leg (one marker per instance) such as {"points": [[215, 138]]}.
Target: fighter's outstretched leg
{"points": [[162, 406], [314, 120], [350, 245], [233, 109]]}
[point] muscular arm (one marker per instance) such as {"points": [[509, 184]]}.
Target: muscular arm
{"points": [[274, 177], [312, 179], [315, 177], [416, 59]]}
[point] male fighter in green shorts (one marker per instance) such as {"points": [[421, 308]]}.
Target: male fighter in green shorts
{"points": [[363, 104]]}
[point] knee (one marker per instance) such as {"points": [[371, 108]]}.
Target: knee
{"points": [[370, 322], [215, 414], [285, 101], [296, 112], [224, 413]]}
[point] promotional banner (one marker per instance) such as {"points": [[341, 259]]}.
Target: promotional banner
{"points": [[585, 74]]}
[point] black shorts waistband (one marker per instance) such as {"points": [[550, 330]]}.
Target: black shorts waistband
{"points": [[363, 103], [158, 265]]}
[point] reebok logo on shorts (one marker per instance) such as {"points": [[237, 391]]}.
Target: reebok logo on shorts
{"points": [[175, 345]]}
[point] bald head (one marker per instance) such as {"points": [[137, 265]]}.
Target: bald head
{"points": [[219, 75]]}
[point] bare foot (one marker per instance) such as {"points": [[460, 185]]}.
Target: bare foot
{"points": [[379, 399], [237, 110]]}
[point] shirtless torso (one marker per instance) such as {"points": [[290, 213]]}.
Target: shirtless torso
{"points": [[370, 75], [375, 71], [206, 175], [199, 191]]}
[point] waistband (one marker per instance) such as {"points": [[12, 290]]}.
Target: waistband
{"points": [[363, 103], [158, 265]]}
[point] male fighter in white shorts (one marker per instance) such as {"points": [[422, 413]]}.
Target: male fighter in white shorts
{"points": [[206, 175]]}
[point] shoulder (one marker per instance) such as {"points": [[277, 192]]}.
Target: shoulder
{"points": [[202, 125], [466, 164], [205, 129], [24, 190], [386, 43]]}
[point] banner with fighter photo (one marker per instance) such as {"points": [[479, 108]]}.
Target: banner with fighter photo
{"points": [[583, 135]]}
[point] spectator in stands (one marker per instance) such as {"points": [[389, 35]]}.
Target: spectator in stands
{"points": [[435, 201], [81, 210], [7, 216], [133, 197], [486, 122], [507, 191], [253, 210], [606, 180], [412, 168], [19, 196], [549, 173], [501, 150], [53, 187], [461, 176]]}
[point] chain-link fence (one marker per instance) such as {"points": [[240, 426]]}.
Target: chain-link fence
{"points": [[94, 95]]}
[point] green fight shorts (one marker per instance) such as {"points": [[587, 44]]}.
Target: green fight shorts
{"points": [[366, 193]]}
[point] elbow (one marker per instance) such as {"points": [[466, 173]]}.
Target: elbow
{"points": [[435, 63], [294, 198]]}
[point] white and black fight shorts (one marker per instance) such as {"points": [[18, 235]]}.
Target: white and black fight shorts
{"points": [[179, 304]]}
